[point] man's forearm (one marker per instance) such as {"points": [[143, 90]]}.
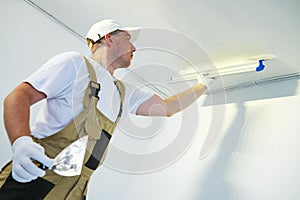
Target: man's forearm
{"points": [[183, 99], [17, 110], [16, 116]]}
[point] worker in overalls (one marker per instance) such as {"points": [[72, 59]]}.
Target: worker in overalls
{"points": [[81, 98]]}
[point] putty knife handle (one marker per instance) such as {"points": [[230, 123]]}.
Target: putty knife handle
{"points": [[39, 165]]}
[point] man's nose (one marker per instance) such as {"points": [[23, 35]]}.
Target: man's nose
{"points": [[132, 47]]}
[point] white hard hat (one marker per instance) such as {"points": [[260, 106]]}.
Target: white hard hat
{"points": [[106, 26]]}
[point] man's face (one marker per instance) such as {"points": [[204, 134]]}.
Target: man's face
{"points": [[123, 49]]}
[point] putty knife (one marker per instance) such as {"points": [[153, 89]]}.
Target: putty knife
{"points": [[70, 160]]}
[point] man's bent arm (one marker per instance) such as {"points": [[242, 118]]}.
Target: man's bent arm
{"points": [[157, 106], [17, 110]]}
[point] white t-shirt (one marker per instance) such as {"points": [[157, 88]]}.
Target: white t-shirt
{"points": [[64, 79]]}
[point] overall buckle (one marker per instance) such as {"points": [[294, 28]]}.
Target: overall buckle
{"points": [[95, 88]]}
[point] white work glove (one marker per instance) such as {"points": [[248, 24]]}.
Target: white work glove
{"points": [[25, 150]]}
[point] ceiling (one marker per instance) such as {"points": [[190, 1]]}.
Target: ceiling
{"points": [[194, 35]]}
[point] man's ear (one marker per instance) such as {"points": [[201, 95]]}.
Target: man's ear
{"points": [[108, 39]]}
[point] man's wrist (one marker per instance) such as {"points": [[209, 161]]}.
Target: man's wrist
{"points": [[20, 140]]}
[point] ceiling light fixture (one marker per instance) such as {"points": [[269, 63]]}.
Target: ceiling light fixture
{"points": [[252, 64]]}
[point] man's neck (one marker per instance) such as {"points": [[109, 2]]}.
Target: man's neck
{"points": [[104, 62]]}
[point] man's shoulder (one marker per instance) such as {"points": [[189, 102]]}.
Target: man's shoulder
{"points": [[67, 59], [70, 55]]}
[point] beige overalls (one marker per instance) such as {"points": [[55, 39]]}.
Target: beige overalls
{"points": [[89, 122]]}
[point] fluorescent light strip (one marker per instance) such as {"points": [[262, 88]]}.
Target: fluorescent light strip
{"points": [[245, 67], [225, 71]]}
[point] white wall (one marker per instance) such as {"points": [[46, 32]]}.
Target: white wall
{"points": [[255, 156], [28, 39]]}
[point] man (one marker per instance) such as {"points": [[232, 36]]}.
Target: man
{"points": [[68, 82]]}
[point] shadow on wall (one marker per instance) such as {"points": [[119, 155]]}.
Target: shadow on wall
{"points": [[214, 186]]}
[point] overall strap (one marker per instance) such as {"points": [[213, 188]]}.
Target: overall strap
{"points": [[90, 70], [94, 86], [121, 90]]}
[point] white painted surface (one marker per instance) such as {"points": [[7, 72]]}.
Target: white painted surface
{"points": [[256, 154]]}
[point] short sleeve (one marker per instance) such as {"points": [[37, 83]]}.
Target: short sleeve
{"points": [[135, 97], [56, 77]]}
